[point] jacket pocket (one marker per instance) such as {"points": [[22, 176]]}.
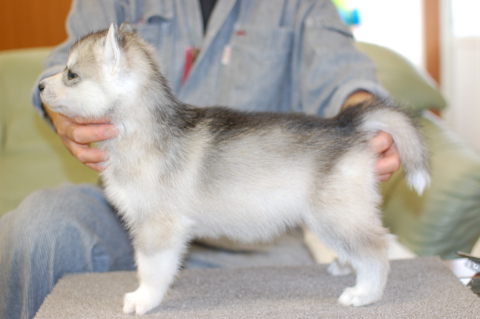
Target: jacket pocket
{"points": [[255, 67], [156, 31]]}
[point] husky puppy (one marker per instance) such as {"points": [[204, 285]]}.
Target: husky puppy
{"points": [[176, 172]]}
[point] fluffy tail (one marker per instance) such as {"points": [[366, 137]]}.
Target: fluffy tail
{"points": [[384, 116]]}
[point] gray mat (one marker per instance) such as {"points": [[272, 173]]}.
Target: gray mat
{"points": [[417, 288]]}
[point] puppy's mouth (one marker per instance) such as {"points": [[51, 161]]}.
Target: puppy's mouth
{"points": [[48, 99], [56, 109]]}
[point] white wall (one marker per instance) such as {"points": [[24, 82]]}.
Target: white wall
{"points": [[461, 67], [396, 24]]}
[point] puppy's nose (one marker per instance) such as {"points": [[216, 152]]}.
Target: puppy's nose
{"points": [[41, 86]]}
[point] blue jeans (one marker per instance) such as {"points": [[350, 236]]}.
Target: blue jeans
{"points": [[73, 229], [53, 232]]}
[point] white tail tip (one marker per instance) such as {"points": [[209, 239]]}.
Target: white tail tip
{"points": [[419, 181]]}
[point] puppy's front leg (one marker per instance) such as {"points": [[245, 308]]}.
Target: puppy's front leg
{"points": [[158, 250], [155, 272]]}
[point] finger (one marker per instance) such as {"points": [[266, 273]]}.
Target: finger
{"points": [[81, 120], [60, 121], [381, 142], [388, 164], [85, 153], [86, 134], [384, 177], [99, 167], [89, 131]]}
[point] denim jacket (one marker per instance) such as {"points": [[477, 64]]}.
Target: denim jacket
{"points": [[255, 55]]}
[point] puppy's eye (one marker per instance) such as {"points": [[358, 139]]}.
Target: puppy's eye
{"points": [[71, 75]]}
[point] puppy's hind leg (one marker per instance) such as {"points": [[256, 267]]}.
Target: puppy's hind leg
{"points": [[372, 273], [159, 245], [347, 219], [364, 248]]}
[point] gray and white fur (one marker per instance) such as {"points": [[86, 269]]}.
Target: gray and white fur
{"points": [[176, 172]]}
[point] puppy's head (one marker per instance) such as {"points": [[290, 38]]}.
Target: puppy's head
{"points": [[95, 79]]}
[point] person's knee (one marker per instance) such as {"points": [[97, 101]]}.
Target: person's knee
{"points": [[51, 210]]}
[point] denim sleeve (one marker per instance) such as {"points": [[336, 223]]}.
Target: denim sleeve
{"points": [[85, 16], [329, 67]]}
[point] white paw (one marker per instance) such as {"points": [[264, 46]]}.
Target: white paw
{"points": [[356, 296], [336, 269], [141, 301]]}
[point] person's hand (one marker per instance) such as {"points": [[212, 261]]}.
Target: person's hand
{"points": [[388, 157], [382, 144], [77, 134]]}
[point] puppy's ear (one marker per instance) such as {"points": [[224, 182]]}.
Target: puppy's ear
{"points": [[112, 50], [126, 27]]}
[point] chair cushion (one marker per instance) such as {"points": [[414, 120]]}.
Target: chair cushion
{"points": [[407, 85], [446, 218], [31, 155]]}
